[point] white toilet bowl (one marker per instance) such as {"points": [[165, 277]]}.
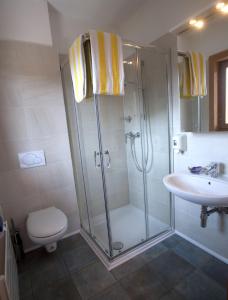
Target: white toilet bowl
{"points": [[46, 227]]}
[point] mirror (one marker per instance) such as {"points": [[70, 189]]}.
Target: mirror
{"points": [[206, 113]]}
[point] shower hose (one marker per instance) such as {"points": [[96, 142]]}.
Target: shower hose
{"points": [[147, 166]]}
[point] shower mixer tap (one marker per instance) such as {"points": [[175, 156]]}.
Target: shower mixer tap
{"points": [[132, 136]]}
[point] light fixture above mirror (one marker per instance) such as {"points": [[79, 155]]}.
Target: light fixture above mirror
{"points": [[222, 7], [198, 24]]}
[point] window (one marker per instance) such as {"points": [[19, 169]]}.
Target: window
{"points": [[226, 100], [218, 91]]}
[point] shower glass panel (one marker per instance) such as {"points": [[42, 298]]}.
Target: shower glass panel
{"points": [[117, 169], [91, 155], [156, 142]]}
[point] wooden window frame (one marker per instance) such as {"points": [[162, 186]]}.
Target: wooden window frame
{"points": [[216, 93]]}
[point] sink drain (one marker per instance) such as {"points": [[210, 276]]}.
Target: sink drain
{"points": [[117, 245]]}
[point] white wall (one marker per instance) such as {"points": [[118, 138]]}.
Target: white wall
{"points": [[156, 18], [204, 148], [65, 29], [25, 20]]}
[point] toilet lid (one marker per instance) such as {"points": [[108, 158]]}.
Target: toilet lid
{"points": [[46, 222]]}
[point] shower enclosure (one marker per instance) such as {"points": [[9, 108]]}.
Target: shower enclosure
{"points": [[121, 151]]}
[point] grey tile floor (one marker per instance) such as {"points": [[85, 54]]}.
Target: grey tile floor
{"points": [[172, 270]]}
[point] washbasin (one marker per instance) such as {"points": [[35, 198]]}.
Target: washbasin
{"points": [[201, 190]]}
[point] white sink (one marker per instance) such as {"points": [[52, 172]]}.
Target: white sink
{"points": [[198, 189]]}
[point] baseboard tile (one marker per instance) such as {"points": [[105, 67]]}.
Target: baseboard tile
{"points": [[70, 234], [35, 247], [211, 252]]}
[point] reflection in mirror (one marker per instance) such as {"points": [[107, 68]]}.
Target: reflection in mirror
{"points": [[191, 104], [195, 112]]}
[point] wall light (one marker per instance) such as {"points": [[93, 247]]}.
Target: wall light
{"points": [[198, 24], [222, 7], [128, 62], [131, 45]]}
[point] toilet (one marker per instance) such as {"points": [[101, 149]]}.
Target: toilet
{"points": [[46, 227]]}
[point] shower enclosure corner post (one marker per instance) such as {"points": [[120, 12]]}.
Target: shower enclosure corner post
{"points": [[142, 121], [169, 67], [103, 176]]}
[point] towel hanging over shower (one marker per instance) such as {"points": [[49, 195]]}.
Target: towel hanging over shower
{"points": [[77, 68], [97, 65]]}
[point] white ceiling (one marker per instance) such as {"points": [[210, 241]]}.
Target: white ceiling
{"points": [[137, 20], [106, 12]]}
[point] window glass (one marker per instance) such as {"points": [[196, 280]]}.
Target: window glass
{"points": [[226, 96]]}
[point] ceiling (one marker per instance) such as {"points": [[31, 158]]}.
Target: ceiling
{"points": [[106, 12]]}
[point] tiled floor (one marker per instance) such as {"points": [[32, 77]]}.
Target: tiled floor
{"points": [[171, 270]]}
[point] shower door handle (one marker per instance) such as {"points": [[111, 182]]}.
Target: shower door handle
{"points": [[97, 165], [108, 164]]}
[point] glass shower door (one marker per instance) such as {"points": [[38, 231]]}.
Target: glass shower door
{"points": [[124, 189], [120, 126], [155, 98], [90, 148]]}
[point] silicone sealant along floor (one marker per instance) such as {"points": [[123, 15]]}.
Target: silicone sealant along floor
{"points": [[172, 270]]}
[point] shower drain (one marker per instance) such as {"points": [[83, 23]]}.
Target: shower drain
{"points": [[117, 245]]}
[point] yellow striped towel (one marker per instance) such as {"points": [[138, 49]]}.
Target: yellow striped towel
{"points": [[78, 69], [107, 63], [192, 75], [197, 68]]}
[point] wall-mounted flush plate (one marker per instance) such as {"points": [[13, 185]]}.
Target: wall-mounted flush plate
{"points": [[31, 159]]}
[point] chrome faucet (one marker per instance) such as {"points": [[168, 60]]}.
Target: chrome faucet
{"points": [[211, 170]]}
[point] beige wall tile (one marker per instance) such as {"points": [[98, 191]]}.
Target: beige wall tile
{"points": [[8, 153], [21, 207], [62, 198], [18, 184], [41, 90], [55, 175], [73, 223], [27, 59], [32, 117], [10, 91], [12, 124], [56, 148], [45, 121]]}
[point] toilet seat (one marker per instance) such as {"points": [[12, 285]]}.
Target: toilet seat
{"points": [[46, 223]]}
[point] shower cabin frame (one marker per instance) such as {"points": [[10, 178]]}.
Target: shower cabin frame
{"points": [[111, 261]]}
